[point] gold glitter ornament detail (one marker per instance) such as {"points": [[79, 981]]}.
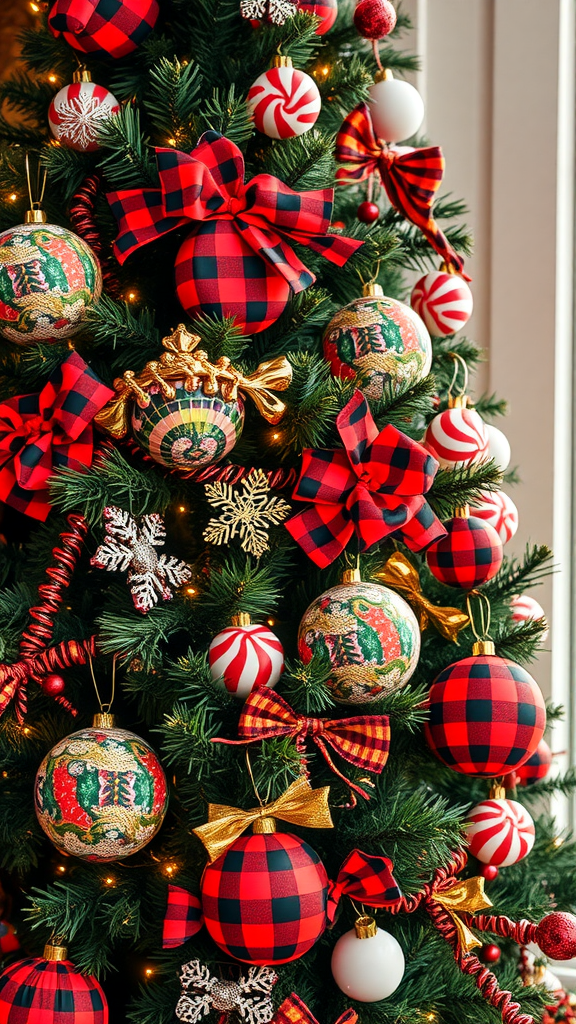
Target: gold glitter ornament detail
{"points": [[246, 512]]}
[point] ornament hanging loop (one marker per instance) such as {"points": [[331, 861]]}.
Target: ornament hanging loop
{"points": [[105, 709], [484, 644], [36, 215], [458, 397]]}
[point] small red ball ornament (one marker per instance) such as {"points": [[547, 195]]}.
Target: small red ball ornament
{"points": [[368, 213], [327, 10], [374, 19], [489, 953], [536, 767], [489, 872], [339, 225], [8, 938], [470, 554], [50, 989], [556, 936], [53, 685]]}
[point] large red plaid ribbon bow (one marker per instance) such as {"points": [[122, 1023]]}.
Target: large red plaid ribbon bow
{"points": [[411, 177], [209, 184], [365, 878], [294, 1011], [373, 487], [363, 740], [41, 432]]}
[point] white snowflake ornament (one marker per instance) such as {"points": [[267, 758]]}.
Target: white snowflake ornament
{"points": [[248, 998], [78, 111], [275, 11], [130, 544], [247, 512]]}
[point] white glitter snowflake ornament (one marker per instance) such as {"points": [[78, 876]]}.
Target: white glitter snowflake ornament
{"points": [[129, 544], [247, 513], [248, 998], [276, 11], [78, 111]]}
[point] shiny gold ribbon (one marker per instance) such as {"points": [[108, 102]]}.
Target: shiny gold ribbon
{"points": [[464, 896], [401, 574], [300, 805]]}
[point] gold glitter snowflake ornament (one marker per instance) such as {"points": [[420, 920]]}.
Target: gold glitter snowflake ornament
{"points": [[247, 512]]}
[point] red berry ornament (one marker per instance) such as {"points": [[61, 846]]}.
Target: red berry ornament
{"points": [[486, 714], [53, 685], [244, 656], [8, 938], [325, 9], [469, 555], [556, 936], [374, 19], [489, 953], [50, 989], [489, 872], [368, 213], [102, 27]]}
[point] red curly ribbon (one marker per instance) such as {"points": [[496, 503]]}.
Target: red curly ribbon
{"points": [[83, 219]]}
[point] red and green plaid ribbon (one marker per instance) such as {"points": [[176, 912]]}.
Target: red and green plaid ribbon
{"points": [[43, 432], [209, 184], [372, 487], [411, 177]]}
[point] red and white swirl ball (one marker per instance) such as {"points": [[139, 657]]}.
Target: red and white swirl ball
{"points": [[77, 112], [284, 102], [500, 832], [496, 508], [456, 437], [242, 657], [525, 608], [444, 301]]}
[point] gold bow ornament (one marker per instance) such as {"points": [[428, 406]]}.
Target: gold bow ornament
{"points": [[299, 805], [183, 360], [400, 574], [463, 896]]}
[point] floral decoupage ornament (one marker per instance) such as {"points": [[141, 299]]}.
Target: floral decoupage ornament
{"points": [[186, 412]]}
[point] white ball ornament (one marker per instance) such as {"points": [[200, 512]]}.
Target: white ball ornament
{"points": [[444, 301], [396, 108], [498, 447], [245, 655], [500, 832], [284, 101], [367, 962], [78, 110], [496, 508]]}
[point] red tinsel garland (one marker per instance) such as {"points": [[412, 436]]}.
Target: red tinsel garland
{"points": [[83, 218]]}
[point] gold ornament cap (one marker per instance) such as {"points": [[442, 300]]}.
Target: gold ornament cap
{"points": [[54, 953], [463, 512], [351, 576], [384, 75], [365, 927], [264, 826], [103, 720], [372, 290], [485, 647], [497, 792], [81, 75], [457, 401], [242, 619], [35, 216], [280, 61]]}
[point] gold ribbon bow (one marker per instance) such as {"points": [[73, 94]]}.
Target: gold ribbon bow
{"points": [[464, 896], [300, 805], [401, 574]]}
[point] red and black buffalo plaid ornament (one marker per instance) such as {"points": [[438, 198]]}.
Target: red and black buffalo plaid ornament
{"points": [[111, 27], [411, 177], [239, 261], [49, 990], [372, 487], [486, 715], [534, 769], [470, 554], [44, 432], [183, 918]]}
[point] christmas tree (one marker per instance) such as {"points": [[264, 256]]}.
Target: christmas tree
{"points": [[269, 748]]}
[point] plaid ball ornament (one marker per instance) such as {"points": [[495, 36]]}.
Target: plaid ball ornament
{"points": [[49, 990], [486, 715], [264, 900], [111, 27], [536, 767], [470, 554]]}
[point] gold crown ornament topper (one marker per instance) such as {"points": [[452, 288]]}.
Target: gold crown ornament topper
{"points": [[183, 360]]}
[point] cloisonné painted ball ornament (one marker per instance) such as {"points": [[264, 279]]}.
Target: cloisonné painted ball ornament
{"points": [[192, 429], [369, 634], [101, 793], [49, 277], [380, 338]]}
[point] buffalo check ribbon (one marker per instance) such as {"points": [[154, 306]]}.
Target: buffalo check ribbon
{"points": [[410, 176], [209, 184], [294, 1011], [363, 740], [372, 487], [43, 432], [183, 918], [367, 879]]}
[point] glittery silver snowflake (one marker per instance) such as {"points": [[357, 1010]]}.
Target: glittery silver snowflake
{"points": [[276, 11], [247, 513], [130, 544], [249, 997], [79, 119]]}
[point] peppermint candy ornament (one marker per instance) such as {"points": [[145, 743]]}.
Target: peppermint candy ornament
{"points": [[284, 101], [500, 832], [444, 301], [457, 436], [525, 608], [496, 508], [78, 110], [245, 655]]}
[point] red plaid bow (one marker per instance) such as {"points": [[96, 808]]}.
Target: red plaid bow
{"points": [[294, 1011], [411, 177], [183, 917], [363, 740], [39, 433], [365, 878], [372, 487], [209, 184]]}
